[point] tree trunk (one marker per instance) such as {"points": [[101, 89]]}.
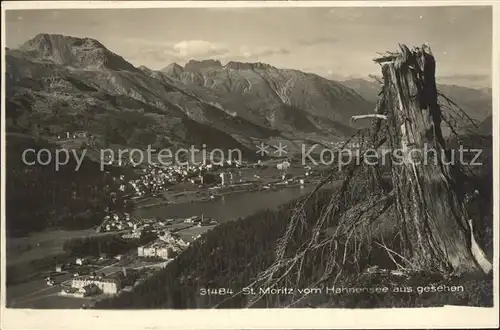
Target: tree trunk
{"points": [[435, 227]]}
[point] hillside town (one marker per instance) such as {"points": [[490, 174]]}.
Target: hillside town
{"points": [[156, 178], [157, 243]]}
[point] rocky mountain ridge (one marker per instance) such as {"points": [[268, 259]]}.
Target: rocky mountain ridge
{"points": [[62, 83]]}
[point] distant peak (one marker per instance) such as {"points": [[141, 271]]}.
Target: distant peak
{"points": [[174, 65], [247, 65], [59, 39], [196, 65], [173, 69], [73, 51]]}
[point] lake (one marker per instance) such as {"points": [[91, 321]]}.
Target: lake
{"points": [[228, 207]]}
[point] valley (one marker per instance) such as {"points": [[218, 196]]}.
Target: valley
{"points": [[74, 94]]}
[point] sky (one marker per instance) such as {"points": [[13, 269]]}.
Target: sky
{"points": [[336, 43]]}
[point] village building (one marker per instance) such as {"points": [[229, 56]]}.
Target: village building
{"points": [[82, 292], [106, 286], [160, 250], [166, 247], [81, 261], [194, 219], [283, 166], [132, 235], [80, 135], [88, 290], [226, 178]]}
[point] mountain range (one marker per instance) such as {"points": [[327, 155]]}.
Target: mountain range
{"points": [[59, 83], [477, 103]]}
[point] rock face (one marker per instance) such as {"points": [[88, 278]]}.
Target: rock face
{"points": [[247, 66], [194, 65], [76, 52], [173, 69], [263, 94], [62, 81]]}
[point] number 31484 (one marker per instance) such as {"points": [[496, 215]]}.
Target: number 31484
{"points": [[215, 291]]}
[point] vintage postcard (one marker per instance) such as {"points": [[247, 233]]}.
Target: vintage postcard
{"points": [[234, 165]]}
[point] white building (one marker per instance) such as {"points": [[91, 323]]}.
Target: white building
{"points": [[82, 292], [165, 248], [80, 261], [155, 250], [107, 286], [223, 178], [193, 219], [283, 166]]}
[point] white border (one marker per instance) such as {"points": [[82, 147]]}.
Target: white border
{"points": [[19, 5], [2, 180], [413, 318]]}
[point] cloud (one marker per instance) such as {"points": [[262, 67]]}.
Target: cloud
{"points": [[195, 48], [150, 56], [157, 54], [206, 49]]}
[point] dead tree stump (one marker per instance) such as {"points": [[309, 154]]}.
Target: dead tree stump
{"points": [[435, 228]]}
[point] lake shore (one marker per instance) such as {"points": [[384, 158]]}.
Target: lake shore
{"points": [[196, 196]]}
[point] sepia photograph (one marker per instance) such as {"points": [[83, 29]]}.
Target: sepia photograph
{"points": [[244, 157]]}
